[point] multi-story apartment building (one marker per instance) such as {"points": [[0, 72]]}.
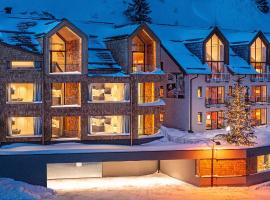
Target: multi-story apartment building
{"points": [[64, 84], [203, 66], [85, 81]]}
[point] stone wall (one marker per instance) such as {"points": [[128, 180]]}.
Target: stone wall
{"points": [[237, 167]]}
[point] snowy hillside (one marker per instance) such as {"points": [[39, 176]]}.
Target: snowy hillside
{"points": [[234, 14]]}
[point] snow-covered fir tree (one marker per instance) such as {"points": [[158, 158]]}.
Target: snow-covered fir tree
{"points": [[238, 117], [138, 11], [262, 5]]}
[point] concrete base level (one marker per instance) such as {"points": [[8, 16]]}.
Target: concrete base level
{"points": [[180, 164], [101, 169]]}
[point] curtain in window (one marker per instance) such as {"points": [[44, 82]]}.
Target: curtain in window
{"points": [[37, 92], [127, 92], [10, 126], [37, 126], [126, 128], [9, 89], [90, 92]]}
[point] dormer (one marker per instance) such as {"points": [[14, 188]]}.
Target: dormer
{"points": [[143, 50], [66, 50], [216, 55], [136, 48], [258, 53]]}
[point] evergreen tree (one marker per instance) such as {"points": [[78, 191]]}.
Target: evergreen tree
{"points": [[262, 5], [238, 118], [138, 11]]}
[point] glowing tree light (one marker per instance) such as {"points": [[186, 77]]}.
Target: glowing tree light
{"points": [[238, 117]]}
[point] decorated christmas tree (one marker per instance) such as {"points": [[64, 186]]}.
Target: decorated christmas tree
{"points": [[138, 11], [238, 117]]}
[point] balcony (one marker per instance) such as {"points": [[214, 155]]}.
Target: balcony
{"points": [[259, 99], [65, 68], [213, 102], [218, 77], [142, 68], [262, 77]]}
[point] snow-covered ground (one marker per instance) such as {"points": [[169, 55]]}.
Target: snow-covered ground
{"points": [[16, 190], [173, 139], [152, 187], [156, 186]]}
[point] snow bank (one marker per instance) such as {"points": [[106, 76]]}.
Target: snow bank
{"points": [[16, 190]]}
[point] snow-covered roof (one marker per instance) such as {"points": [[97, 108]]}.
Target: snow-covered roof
{"points": [[238, 65], [184, 22], [188, 61]]}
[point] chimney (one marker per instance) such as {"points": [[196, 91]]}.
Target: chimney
{"points": [[8, 10]]}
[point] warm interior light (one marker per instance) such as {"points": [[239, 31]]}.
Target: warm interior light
{"points": [[78, 164], [208, 117], [228, 128]]}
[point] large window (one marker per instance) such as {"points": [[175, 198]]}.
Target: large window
{"points": [[258, 93], [263, 163], [66, 127], [215, 95], [143, 52], [24, 92], [146, 92], [258, 116], [214, 56], [214, 120], [146, 124], [109, 92], [65, 52], [24, 126], [258, 55], [109, 125], [66, 94]]}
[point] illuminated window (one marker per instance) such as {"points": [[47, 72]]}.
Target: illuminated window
{"points": [[214, 120], [146, 124], [199, 118], [24, 126], [161, 91], [263, 163], [65, 52], [106, 125], [258, 55], [214, 54], [199, 92], [258, 93], [146, 93], [215, 95], [24, 92], [66, 94], [143, 52], [66, 127], [109, 92], [161, 117], [258, 116], [22, 64]]}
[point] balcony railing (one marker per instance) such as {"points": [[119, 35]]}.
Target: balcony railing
{"points": [[141, 68], [260, 77], [259, 99], [61, 68], [146, 99], [218, 77], [72, 100], [211, 101]]}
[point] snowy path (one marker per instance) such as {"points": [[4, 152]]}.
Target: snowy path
{"points": [[154, 187]]}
